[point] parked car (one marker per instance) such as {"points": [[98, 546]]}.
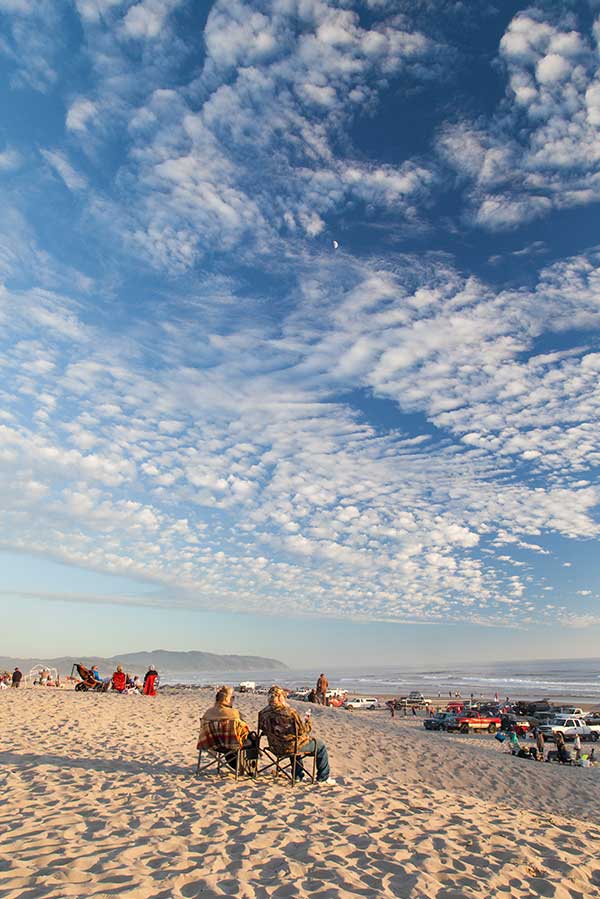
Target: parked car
{"points": [[545, 717], [439, 721], [491, 709], [534, 709], [570, 727], [466, 722], [361, 702], [455, 705], [592, 717], [572, 710]]}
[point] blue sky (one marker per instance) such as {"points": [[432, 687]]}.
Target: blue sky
{"points": [[299, 327]]}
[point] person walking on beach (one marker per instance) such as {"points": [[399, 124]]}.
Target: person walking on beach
{"points": [[577, 747], [17, 677], [282, 723], [321, 689], [150, 679]]}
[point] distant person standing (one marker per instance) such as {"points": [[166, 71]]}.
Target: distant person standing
{"points": [[17, 677], [321, 689], [150, 681], [561, 748], [577, 746], [539, 742]]}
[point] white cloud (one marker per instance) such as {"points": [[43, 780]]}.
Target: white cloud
{"points": [[552, 68], [191, 433], [60, 164], [541, 149], [292, 501], [10, 160], [96, 10], [265, 84], [79, 114], [145, 20], [31, 42]]}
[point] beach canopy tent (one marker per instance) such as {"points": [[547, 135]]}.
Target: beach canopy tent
{"points": [[36, 672]]}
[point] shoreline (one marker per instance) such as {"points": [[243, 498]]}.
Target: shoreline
{"points": [[437, 702]]}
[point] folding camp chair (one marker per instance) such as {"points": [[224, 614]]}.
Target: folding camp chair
{"points": [[285, 763], [218, 742]]}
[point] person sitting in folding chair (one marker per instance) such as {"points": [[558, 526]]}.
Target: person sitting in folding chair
{"points": [[288, 734], [223, 710]]}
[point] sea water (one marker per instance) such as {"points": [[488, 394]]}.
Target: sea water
{"points": [[569, 680]]}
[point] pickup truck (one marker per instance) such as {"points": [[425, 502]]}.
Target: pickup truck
{"points": [[570, 727], [466, 722]]}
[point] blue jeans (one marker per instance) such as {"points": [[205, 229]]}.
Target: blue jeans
{"points": [[322, 759]]}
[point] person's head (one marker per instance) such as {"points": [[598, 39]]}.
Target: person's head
{"points": [[224, 695], [119, 669], [94, 668], [277, 696]]}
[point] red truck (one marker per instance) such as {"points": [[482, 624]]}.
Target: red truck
{"points": [[468, 721]]}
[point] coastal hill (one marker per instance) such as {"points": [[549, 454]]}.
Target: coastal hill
{"points": [[163, 659]]}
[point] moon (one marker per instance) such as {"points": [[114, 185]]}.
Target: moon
{"points": [[335, 244]]}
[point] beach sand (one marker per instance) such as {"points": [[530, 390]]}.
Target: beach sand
{"points": [[100, 800]]}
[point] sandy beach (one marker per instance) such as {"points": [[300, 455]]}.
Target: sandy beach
{"points": [[100, 800]]}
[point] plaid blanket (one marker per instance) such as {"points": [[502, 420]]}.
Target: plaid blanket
{"points": [[226, 735]]}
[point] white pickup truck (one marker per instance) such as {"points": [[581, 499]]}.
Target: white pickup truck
{"points": [[570, 727]]}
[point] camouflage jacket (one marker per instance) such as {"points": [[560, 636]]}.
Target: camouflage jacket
{"points": [[285, 729]]}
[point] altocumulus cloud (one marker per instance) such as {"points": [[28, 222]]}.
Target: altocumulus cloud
{"points": [[180, 381]]}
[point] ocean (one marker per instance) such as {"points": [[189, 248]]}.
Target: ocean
{"points": [[569, 680]]}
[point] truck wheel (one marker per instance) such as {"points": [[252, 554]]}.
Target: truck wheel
{"points": [[594, 737], [492, 729], [464, 728]]}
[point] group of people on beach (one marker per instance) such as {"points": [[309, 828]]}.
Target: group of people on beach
{"points": [[11, 680], [287, 733], [126, 683], [318, 694], [42, 678], [537, 751]]}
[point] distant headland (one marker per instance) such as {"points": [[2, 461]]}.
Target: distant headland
{"points": [[163, 659]]}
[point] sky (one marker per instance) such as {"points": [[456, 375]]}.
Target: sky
{"points": [[300, 328]]}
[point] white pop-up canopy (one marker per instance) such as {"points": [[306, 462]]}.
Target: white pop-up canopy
{"points": [[36, 672]]}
